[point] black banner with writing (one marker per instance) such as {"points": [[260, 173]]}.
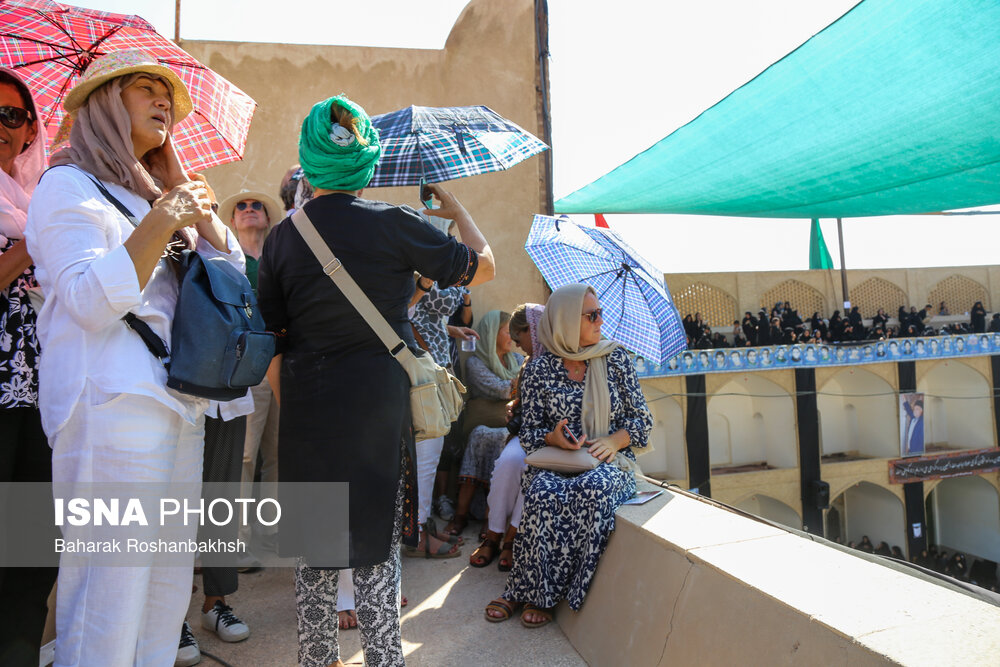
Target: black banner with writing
{"points": [[958, 464]]}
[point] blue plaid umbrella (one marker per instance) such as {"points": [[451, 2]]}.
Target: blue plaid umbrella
{"points": [[638, 310], [444, 143]]}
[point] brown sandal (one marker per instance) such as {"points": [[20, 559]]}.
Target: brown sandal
{"points": [[546, 616], [485, 553], [505, 563], [457, 525], [505, 607]]}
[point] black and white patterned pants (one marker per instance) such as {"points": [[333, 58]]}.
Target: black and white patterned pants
{"points": [[376, 596]]}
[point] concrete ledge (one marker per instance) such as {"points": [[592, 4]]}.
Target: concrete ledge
{"points": [[686, 582]]}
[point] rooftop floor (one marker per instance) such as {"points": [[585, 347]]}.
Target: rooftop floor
{"points": [[443, 623]]}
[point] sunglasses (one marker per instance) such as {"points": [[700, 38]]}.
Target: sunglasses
{"points": [[14, 117], [256, 205], [594, 315]]}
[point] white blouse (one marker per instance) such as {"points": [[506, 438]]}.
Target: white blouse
{"points": [[75, 238]]}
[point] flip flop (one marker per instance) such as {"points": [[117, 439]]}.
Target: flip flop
{"points": [[505, 607], [546, 616]]}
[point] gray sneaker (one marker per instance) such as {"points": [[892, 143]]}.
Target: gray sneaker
{"points": [[445, 508], [188, 652]]}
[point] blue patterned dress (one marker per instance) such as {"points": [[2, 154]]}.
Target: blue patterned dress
{"points": [[567, 519]]}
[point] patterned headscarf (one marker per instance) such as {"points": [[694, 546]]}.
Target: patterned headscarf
{"points": [[331, 156], [533, 312]]}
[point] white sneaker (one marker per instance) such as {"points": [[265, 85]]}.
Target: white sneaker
{"points": [[221, 620], [188, 652], [445, 508]]}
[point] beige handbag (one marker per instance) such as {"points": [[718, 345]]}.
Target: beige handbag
{"points": [[435, 394]]}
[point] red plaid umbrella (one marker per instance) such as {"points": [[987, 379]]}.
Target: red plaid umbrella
{"points": [[51, 45]]}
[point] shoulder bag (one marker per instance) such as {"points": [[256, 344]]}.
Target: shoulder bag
{"points": [[220, 346], [435, 394]]}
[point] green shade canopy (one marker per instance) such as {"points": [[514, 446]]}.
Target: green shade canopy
{"points": [[892, 109]]}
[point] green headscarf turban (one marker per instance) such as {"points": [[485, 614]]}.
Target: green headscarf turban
{"points": [[486, 348], [330, 156]]}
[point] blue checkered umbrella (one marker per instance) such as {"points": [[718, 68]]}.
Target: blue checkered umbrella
{"points": [[444, 143], [638, 310]]}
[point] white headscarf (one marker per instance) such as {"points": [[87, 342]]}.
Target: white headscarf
{"points": [[16, 187]]}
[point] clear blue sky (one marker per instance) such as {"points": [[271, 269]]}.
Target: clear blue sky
{"points": [[623, 76]]}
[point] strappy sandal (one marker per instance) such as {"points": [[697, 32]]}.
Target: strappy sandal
{"points": [[505, 563], [431, 527], [546, 616], [446, 550], [505, 607], [457, 525], [481, 559]]}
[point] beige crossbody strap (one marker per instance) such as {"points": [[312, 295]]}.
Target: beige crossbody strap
{"points": [[343, 280]]}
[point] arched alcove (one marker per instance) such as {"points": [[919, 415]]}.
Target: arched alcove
{"points": [[961, 396], [966, 516], [771, 509], [717, 307], [869, 509], [803, 298], [859, 416], [667, 459], [875, 293], [959, 293], [720, 441], [760, 416]]}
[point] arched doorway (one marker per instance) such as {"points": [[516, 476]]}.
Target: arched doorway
{"points": [[965, 516], [771, 509], [667, 459], [869, 509], [859, 416], [959, 412], [751, 421]]}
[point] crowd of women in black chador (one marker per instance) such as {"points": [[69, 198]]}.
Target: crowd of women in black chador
{"points": [[982, 572], [784, 326]]}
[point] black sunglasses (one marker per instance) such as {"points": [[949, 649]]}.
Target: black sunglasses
{"points": [[594, 315], [14, 117], [256, 205]]}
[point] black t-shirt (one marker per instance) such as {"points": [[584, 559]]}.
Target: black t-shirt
{"points": [[380, 245]]}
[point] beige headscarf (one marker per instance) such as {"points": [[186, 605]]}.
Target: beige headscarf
{"points": [[559, 332], [101, 139]]}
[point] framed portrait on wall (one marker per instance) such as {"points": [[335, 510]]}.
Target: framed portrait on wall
{"points": [[911, 424]]}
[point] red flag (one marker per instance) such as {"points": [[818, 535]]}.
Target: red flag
{"points": [[600, 221]]}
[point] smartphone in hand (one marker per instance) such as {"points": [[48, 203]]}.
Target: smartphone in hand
{"points": [[426, 196], [569, 435]]}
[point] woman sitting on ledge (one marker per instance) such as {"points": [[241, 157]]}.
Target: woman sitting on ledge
{"points": [[588, 386]]}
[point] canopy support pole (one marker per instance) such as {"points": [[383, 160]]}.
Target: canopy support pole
{"points": [[177, 22], [843, 269]]}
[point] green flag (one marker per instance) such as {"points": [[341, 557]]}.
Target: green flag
{"points": [[819, 256]]}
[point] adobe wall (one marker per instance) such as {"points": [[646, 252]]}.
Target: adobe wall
{"points": [[489, 59]]}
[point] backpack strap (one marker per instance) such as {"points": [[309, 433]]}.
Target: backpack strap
{"points": [[154, 343]]}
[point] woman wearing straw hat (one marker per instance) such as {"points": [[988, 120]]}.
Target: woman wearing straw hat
{"points": [[344, 399], [105, 407]]}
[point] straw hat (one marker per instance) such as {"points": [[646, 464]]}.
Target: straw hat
{"points": [[275, 213], [121, 63]]}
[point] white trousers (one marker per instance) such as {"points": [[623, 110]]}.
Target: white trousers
{"points": [[428, 457], [345, 591], [262, 436], [505, 498], [123, 616]]}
